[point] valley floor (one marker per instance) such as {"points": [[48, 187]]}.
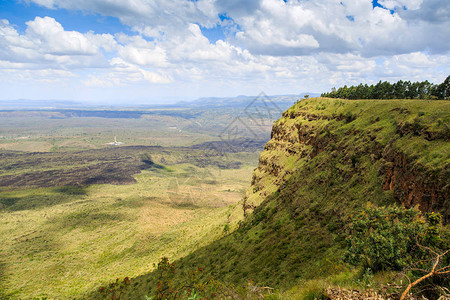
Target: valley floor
{"points": [[76, 214], [75, 239]]}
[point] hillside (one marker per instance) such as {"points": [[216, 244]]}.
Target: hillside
{"points": [[327, 159]]}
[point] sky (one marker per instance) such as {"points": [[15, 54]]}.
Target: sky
{"points": [[150, 51]]}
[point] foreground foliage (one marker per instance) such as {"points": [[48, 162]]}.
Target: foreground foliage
{"points": [[192, 286], [404, 240], [390, 237]]}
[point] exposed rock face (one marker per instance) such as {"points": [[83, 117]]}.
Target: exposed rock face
{"points": [[413, 186]]}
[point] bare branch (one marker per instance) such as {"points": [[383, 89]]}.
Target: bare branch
{"points": [[443, 269], [427, 248], [431, 273]]}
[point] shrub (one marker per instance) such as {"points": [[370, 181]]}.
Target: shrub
{"points": [[386, 238]]}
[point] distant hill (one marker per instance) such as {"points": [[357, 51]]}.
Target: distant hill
{"points": [[283, 101]]}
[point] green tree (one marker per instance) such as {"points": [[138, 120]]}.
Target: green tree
{"points": [[444, 89], [399, 90]]}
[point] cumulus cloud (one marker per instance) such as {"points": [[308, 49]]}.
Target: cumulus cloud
{"points": [[395, 4], [414, 66], [145, 14], [51, 38], [45, 43], [138, 51], [266, 44], [238, 8], [280, 28], [432, 11]]}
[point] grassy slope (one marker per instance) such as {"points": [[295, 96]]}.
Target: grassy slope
{"points": [[307, 190]]}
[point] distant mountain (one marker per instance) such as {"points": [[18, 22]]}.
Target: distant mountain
{"points": [[241, 101], [283, 101]]}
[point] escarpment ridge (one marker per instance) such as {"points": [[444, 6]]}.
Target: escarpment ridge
{"points": [[405, 140]]}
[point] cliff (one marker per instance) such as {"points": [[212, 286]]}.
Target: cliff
{"points": [[327, 158], [404, 141]]}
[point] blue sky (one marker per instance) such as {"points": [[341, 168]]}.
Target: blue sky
{"points": [[148, 51], [19, 13]]}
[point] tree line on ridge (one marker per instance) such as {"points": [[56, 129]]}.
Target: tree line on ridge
{"points": [[399, 90]]}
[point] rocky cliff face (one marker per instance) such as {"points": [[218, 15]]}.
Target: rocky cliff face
{"points": [[384, 133], [412, 185]]}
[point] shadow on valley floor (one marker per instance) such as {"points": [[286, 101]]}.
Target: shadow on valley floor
{"points": [[40, 199], [114, 165], [87, 220]]}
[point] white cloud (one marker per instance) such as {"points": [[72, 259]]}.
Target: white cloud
{"points": [[154, 56], [137, 50], [392, 4], [123, 73], [143, 13], [293, 28], [46, 44], [415, 66], [51, 38]]}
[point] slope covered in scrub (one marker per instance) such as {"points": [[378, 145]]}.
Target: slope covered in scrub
{"points": [[326, 160]]}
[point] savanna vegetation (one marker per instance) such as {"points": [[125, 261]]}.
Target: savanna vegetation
{"points": [[76, 213]]}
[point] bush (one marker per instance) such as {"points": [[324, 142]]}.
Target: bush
{"points": [[387, 238]]}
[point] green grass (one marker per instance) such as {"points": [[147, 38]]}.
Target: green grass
{"points": [[63, 235]]}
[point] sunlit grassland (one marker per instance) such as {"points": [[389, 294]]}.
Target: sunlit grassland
{"points": [[61, 241], [42, 134], [385, 117], [378, 119], [59, 131], [82, 239]]}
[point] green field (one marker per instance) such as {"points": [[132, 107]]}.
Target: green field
{"points": [[80, 238], [76, 213]]}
